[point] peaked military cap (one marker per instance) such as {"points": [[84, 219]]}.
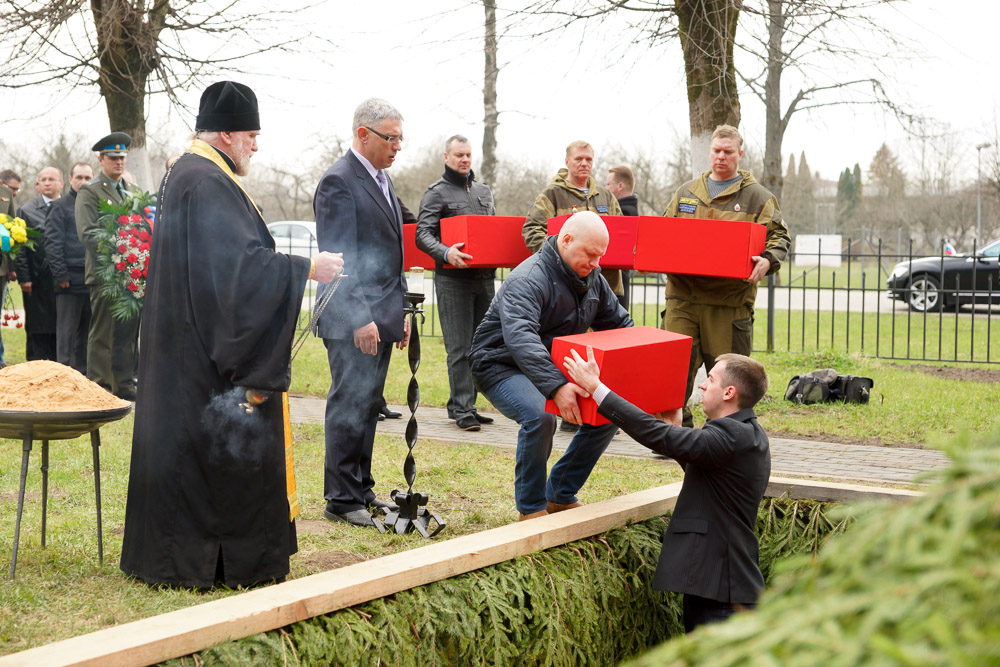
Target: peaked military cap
{"points": [[228, 106], [115, 144]]}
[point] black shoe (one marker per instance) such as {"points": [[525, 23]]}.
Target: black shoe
{"points": [[389, 414], [361, 518], [568, 427], [483, 419], [127, 395], [381, 417], [383, 505], [468, 423]]}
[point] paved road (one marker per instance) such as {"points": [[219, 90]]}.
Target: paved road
{"points": [[790, 458]]}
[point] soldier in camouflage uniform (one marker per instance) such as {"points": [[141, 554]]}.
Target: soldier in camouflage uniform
{"points": [[718, 312], [572, 189]]}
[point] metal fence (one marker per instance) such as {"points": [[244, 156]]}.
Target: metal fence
{"points": [[836, 300]]}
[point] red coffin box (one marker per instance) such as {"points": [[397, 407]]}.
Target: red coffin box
{"points": [[720, 248], [412, 255], [494, 241], [644, 365], [622, 231]]}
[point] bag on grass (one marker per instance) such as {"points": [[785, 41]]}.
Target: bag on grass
{"points": [[825, 384], [854, 389]]}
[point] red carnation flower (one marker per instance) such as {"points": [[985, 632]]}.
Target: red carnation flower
{"points": [[134, 242], [122, 234], [122, 219], [121, 266], [145, 236], [132, 258], [136, 217], [122, 248], [145, 270], [132, 287], [136, 273]]}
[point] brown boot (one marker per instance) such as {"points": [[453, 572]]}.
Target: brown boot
{"points": [[532, 515], [556, 507]]}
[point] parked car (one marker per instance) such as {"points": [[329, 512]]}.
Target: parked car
{"points": [[928, 284], [295, 237]]}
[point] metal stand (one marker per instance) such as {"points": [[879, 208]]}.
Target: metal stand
{"points": [[412, 513], [95, 443]]}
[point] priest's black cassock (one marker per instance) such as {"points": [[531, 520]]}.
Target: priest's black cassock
{"points": [[207, 499]]}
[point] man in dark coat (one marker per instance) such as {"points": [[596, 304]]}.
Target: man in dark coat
{"points": [[209, 499], [34, 275], [66, 256], [710, 549], [558, 291], [357, 212]]}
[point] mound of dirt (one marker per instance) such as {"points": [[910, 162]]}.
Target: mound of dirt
{"points": [[46, 386], [954, 373]]}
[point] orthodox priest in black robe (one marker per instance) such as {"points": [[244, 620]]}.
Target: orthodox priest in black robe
{"points": [[209, 498]]}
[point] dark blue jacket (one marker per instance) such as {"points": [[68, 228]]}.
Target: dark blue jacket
{"points": [[65, 253], [539, 301]]}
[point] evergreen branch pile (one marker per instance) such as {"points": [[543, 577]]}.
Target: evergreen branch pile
{"points": [[589, 602], [910, 584]]}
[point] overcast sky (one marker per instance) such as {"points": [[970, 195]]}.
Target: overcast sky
{"points": [[596, 85]]}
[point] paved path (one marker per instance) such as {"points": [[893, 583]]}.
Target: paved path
{"points": [[789, 458]]}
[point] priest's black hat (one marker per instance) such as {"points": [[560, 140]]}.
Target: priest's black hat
{"points": [[228, 106], [114, 145]]}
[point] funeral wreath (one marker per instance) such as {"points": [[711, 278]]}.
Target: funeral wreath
{"points": [[124, 235]]}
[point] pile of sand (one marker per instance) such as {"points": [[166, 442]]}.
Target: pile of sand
{"points": [[45, 386]]}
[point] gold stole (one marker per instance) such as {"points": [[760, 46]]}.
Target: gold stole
{"points": [[205, 150]]}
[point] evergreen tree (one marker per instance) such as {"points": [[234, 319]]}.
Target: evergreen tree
{"points": [[806, 214]]}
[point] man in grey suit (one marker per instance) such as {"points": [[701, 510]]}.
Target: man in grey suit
{"points": [[111, 343], [34, 275], [357, 214], [710, 551]]}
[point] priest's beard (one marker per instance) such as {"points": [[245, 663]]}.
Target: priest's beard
{"points": [[241, 156]]}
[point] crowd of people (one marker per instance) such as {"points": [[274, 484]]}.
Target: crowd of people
{"points": [[211, 497]]}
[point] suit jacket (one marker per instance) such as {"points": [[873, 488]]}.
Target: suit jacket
{"points": [[710, 548], [63, 249], [31, 265], [87, 211], [354, 217]]}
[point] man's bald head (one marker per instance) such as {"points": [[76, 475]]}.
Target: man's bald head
{"points": [[583, 240]]}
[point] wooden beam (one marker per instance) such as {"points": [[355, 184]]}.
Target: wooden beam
{"points": [[185, 631], [193, 629]]}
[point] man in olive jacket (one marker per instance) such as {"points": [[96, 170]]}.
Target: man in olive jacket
{"points": [[111, 343], [710, 551], [718, 312], [572, 189], [463, 294]]}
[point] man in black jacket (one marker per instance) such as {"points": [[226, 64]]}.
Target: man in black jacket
{"points": [[33, 272], [621, 183], [463, 294], [710, 550], [67, 258], [558, 291]]}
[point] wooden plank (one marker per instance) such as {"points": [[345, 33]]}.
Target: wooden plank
{"points": [[192, 629], [804, 489]]}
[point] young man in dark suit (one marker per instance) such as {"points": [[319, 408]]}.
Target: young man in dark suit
{"points": [[710, 550], [357, 213]]}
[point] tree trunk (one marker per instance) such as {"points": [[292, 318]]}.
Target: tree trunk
{"points": [[488, 173], [774, 124], [126, 40], [708, 33]]}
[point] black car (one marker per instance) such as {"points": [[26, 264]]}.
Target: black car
{"points": [[931, 284]]}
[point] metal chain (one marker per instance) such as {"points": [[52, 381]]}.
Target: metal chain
{"points": [[318, 308]]}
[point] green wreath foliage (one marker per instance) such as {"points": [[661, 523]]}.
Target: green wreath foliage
{"points": [[590, 602]]}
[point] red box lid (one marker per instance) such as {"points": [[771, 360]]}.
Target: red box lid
{"points": [[412, 255], [694, 246], [494, 241], [644, 365], [622, 230]]}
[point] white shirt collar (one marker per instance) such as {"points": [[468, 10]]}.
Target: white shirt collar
{"points": [[372, 171]]}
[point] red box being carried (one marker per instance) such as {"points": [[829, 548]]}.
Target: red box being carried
{"points": [[720, 248], [622, 231], [646, 366], [494, 241], [412, 255]]}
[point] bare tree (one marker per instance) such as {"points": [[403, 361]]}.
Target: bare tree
{"points": [[491, 120], [131, 48]]}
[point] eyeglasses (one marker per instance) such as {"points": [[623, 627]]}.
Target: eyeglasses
{"points": [[390, 138]]}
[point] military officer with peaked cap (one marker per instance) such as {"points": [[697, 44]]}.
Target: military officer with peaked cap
{"points": [[111, 343]]}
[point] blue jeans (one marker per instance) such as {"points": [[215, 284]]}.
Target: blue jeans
{"points": [[517, 398]]}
